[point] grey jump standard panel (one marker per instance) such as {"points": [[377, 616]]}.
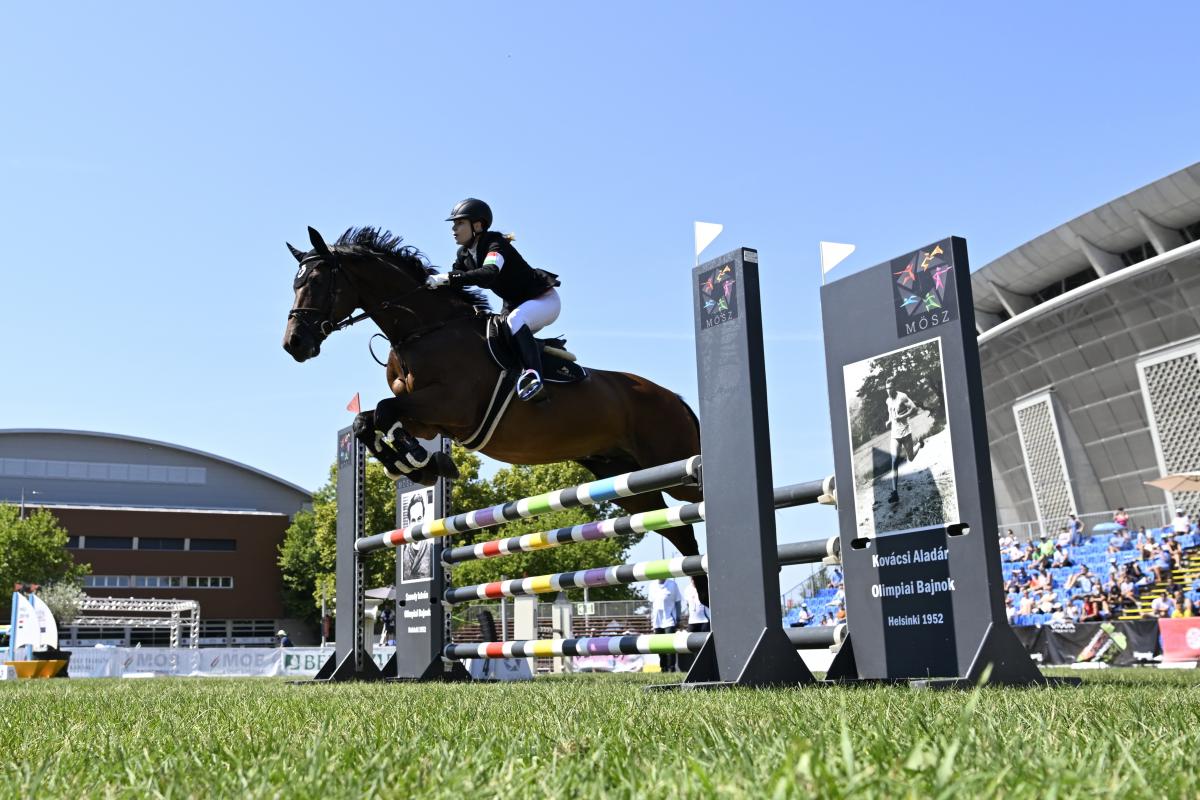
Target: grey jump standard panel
{"points": [[924, 600]]}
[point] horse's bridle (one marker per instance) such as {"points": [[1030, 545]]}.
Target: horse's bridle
{"points": [[320, 323]]}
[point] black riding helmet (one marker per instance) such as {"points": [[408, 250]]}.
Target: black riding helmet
{"points": [[473, 210]]}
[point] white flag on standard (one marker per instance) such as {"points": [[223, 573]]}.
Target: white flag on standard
{"points": [[832, 254], [705, 233]]}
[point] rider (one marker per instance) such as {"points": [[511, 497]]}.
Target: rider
{"points": [[487, 258]]}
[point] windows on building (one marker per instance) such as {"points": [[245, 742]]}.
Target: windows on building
{"points": [[160, 543], [108, 542], [106, 581], [101, 471], [214, 545], [158, 581], [209, 582], [207, 545]]}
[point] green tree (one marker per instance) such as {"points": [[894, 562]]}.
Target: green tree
{"points": [[308, 554], [64, 599], [515, 482], [33, 550]]}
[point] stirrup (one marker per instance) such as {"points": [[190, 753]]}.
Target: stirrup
{"points": [[529, 385]]}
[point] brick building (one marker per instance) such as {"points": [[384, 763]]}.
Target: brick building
{"points": [[160, 520]]}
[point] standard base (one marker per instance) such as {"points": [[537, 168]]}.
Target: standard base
{"points": [[773, 661], [942, 684], [333, 672], [435, 672]]}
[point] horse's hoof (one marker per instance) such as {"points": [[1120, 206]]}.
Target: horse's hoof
{"points": [[363, 421], [444, 466]]}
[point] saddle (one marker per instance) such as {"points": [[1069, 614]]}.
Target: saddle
{"points": [[558, 366], [558, 363]]}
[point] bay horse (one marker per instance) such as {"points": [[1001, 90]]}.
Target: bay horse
{"points": [[442, 376]]}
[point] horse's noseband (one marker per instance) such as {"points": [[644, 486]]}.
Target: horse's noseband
{"points": [[309, 318]]}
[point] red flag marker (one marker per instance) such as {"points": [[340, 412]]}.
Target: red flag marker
{"points": [[354, 406]]}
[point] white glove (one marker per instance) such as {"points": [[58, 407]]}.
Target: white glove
{"points": [[434, 281]]}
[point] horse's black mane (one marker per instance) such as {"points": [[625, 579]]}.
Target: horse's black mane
{"points": [[391, 248]]}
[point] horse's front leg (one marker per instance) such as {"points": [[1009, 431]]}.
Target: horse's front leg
{"points": [[365, 432], [397, 462], [401, 453]]}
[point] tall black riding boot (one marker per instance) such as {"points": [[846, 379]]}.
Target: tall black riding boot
{"points": [[529, 385]]}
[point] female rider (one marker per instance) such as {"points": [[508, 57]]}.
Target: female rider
{"points": [[487, 259]]}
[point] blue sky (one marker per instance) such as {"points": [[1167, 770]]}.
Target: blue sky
{"points": [[156, 157]]}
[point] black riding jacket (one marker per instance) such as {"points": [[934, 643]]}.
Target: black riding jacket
{"points": [[493, 263]]}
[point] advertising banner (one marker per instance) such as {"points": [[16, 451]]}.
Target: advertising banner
{"points": [[1180, 639], [1117, 644], [229, 662]]}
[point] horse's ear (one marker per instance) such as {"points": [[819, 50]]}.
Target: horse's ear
{"points": [[317, 242], [299, 255]]}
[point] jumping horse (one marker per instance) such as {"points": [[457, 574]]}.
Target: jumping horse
{"points": [[443, 376]]}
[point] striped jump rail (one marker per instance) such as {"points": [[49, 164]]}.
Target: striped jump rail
{"points": [[664, 476], [620, 575], [795, 494], [591, 531], [648, 644], [810, 552]]}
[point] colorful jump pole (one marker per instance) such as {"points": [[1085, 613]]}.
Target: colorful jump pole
{"points": [[785, 497], [590, 531], [649, 644], [619, 575], [664, 476]]}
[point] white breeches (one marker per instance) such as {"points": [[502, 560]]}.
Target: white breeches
{"points": [[536, 313]]}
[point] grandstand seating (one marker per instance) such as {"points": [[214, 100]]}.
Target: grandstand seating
{"points": [[1093, 552]]}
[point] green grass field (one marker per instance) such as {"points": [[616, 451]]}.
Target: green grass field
{"points": [[1123, 734]]}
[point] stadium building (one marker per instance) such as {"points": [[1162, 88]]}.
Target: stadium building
{"points": [[1089, 340], [156, 520]]}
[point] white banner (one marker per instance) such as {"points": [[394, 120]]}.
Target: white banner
{"points": [[47, 627], [94, 662], [24, 629], [117, 662]]}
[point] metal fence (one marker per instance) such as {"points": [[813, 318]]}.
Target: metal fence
{"points": [[601, 608], [1140, 517]]}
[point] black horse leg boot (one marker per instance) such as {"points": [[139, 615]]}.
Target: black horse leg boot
{"points": [[529, 385]]}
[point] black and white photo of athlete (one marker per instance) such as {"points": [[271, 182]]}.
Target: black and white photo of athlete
{"points": [[901, 410], [416, 560], [901, 454]]}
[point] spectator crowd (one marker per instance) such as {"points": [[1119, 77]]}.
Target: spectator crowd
{"points": [[1068, 577]]}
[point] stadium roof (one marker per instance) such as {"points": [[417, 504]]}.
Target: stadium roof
{"points": [[155, 443], [1149, 221]]}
